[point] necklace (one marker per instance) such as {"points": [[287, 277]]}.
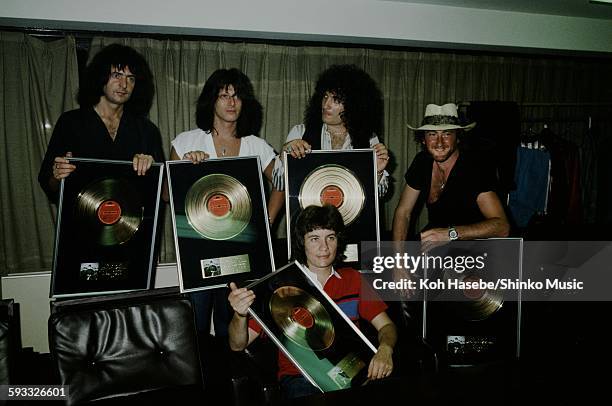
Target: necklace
{"points": [[337, 138], [442, 175], [222, 144]]}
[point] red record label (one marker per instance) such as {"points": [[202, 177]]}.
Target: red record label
{"points": [[332, 195], [109, 212], [219, 205], [302, 316], [473, 293]]}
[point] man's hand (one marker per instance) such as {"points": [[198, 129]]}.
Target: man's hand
{"points": [[240, 299], [382, 156], [62, 167], [142, 163], [196, 156], [433, 238], [297, 148], [381, 364]]}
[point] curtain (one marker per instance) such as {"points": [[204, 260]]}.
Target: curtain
{"points": [[283, 77], [38, 82]]}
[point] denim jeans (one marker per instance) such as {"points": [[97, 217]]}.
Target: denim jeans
{"points": [[295, 386]]}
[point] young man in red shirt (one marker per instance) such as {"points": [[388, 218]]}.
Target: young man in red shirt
{"points": [[319, 244]]}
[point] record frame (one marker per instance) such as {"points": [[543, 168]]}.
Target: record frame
{"points": [[357, 163], [349, 346], [207, 257], [116, 262], [460, 335]]}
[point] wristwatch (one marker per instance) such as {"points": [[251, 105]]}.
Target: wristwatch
{"points": [[452, 233]]}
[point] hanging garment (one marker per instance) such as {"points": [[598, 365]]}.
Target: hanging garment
{"points": [[532, 181]]}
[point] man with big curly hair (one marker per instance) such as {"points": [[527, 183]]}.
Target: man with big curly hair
{"points": [[115, 96], [345, 112]]}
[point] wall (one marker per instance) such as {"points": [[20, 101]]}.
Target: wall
{"points": [[31, 291], [350, 21]]}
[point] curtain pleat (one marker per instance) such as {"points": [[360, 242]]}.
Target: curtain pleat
{"points": [[38, 82]]}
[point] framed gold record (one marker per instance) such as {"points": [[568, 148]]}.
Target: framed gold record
{"points": [[345, 179], [311, 329], [106, 229], [471, 319], [219, 218]]}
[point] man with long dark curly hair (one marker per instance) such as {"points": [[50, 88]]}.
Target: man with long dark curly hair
{"points": [[345, 112], [115, 96], [319, 242]]}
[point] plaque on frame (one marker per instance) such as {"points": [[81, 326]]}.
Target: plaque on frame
{"points": [[346, 179], [311, 330], [220, 222], [106, 228]]}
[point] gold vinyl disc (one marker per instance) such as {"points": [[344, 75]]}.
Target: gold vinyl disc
{"points": [[336, 185], [110, 210], [218, 207], [301, 318]]}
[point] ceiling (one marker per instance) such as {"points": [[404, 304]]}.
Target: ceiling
{"points": [[573, 8]]}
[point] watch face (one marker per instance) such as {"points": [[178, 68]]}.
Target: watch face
{"points": [[452, 234]]}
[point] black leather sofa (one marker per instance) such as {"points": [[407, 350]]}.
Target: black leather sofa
{"points": [[10, 340], [135, 347]]}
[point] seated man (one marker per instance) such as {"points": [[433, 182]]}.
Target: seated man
{"points": [[319, 243], [458, 189]]}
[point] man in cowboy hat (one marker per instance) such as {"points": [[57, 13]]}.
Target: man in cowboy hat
{"points": [[457, 189]]}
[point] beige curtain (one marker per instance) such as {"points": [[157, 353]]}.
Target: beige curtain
{"points": [[38, 82]]}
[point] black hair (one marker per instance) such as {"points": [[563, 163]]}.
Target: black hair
{"points": [[363, 103], [98, 71], [312, 218], [251, 114]]}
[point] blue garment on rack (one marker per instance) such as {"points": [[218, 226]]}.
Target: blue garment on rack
{"points": [[531, 177]]}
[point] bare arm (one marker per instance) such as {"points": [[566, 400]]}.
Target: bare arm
{"points": [[381, 364], [403, 212], [240, 335], [277, 197], [173, 155], [495, 223]]}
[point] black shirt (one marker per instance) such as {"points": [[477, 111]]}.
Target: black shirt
{"points": [[83, 133], [457, 202]]}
